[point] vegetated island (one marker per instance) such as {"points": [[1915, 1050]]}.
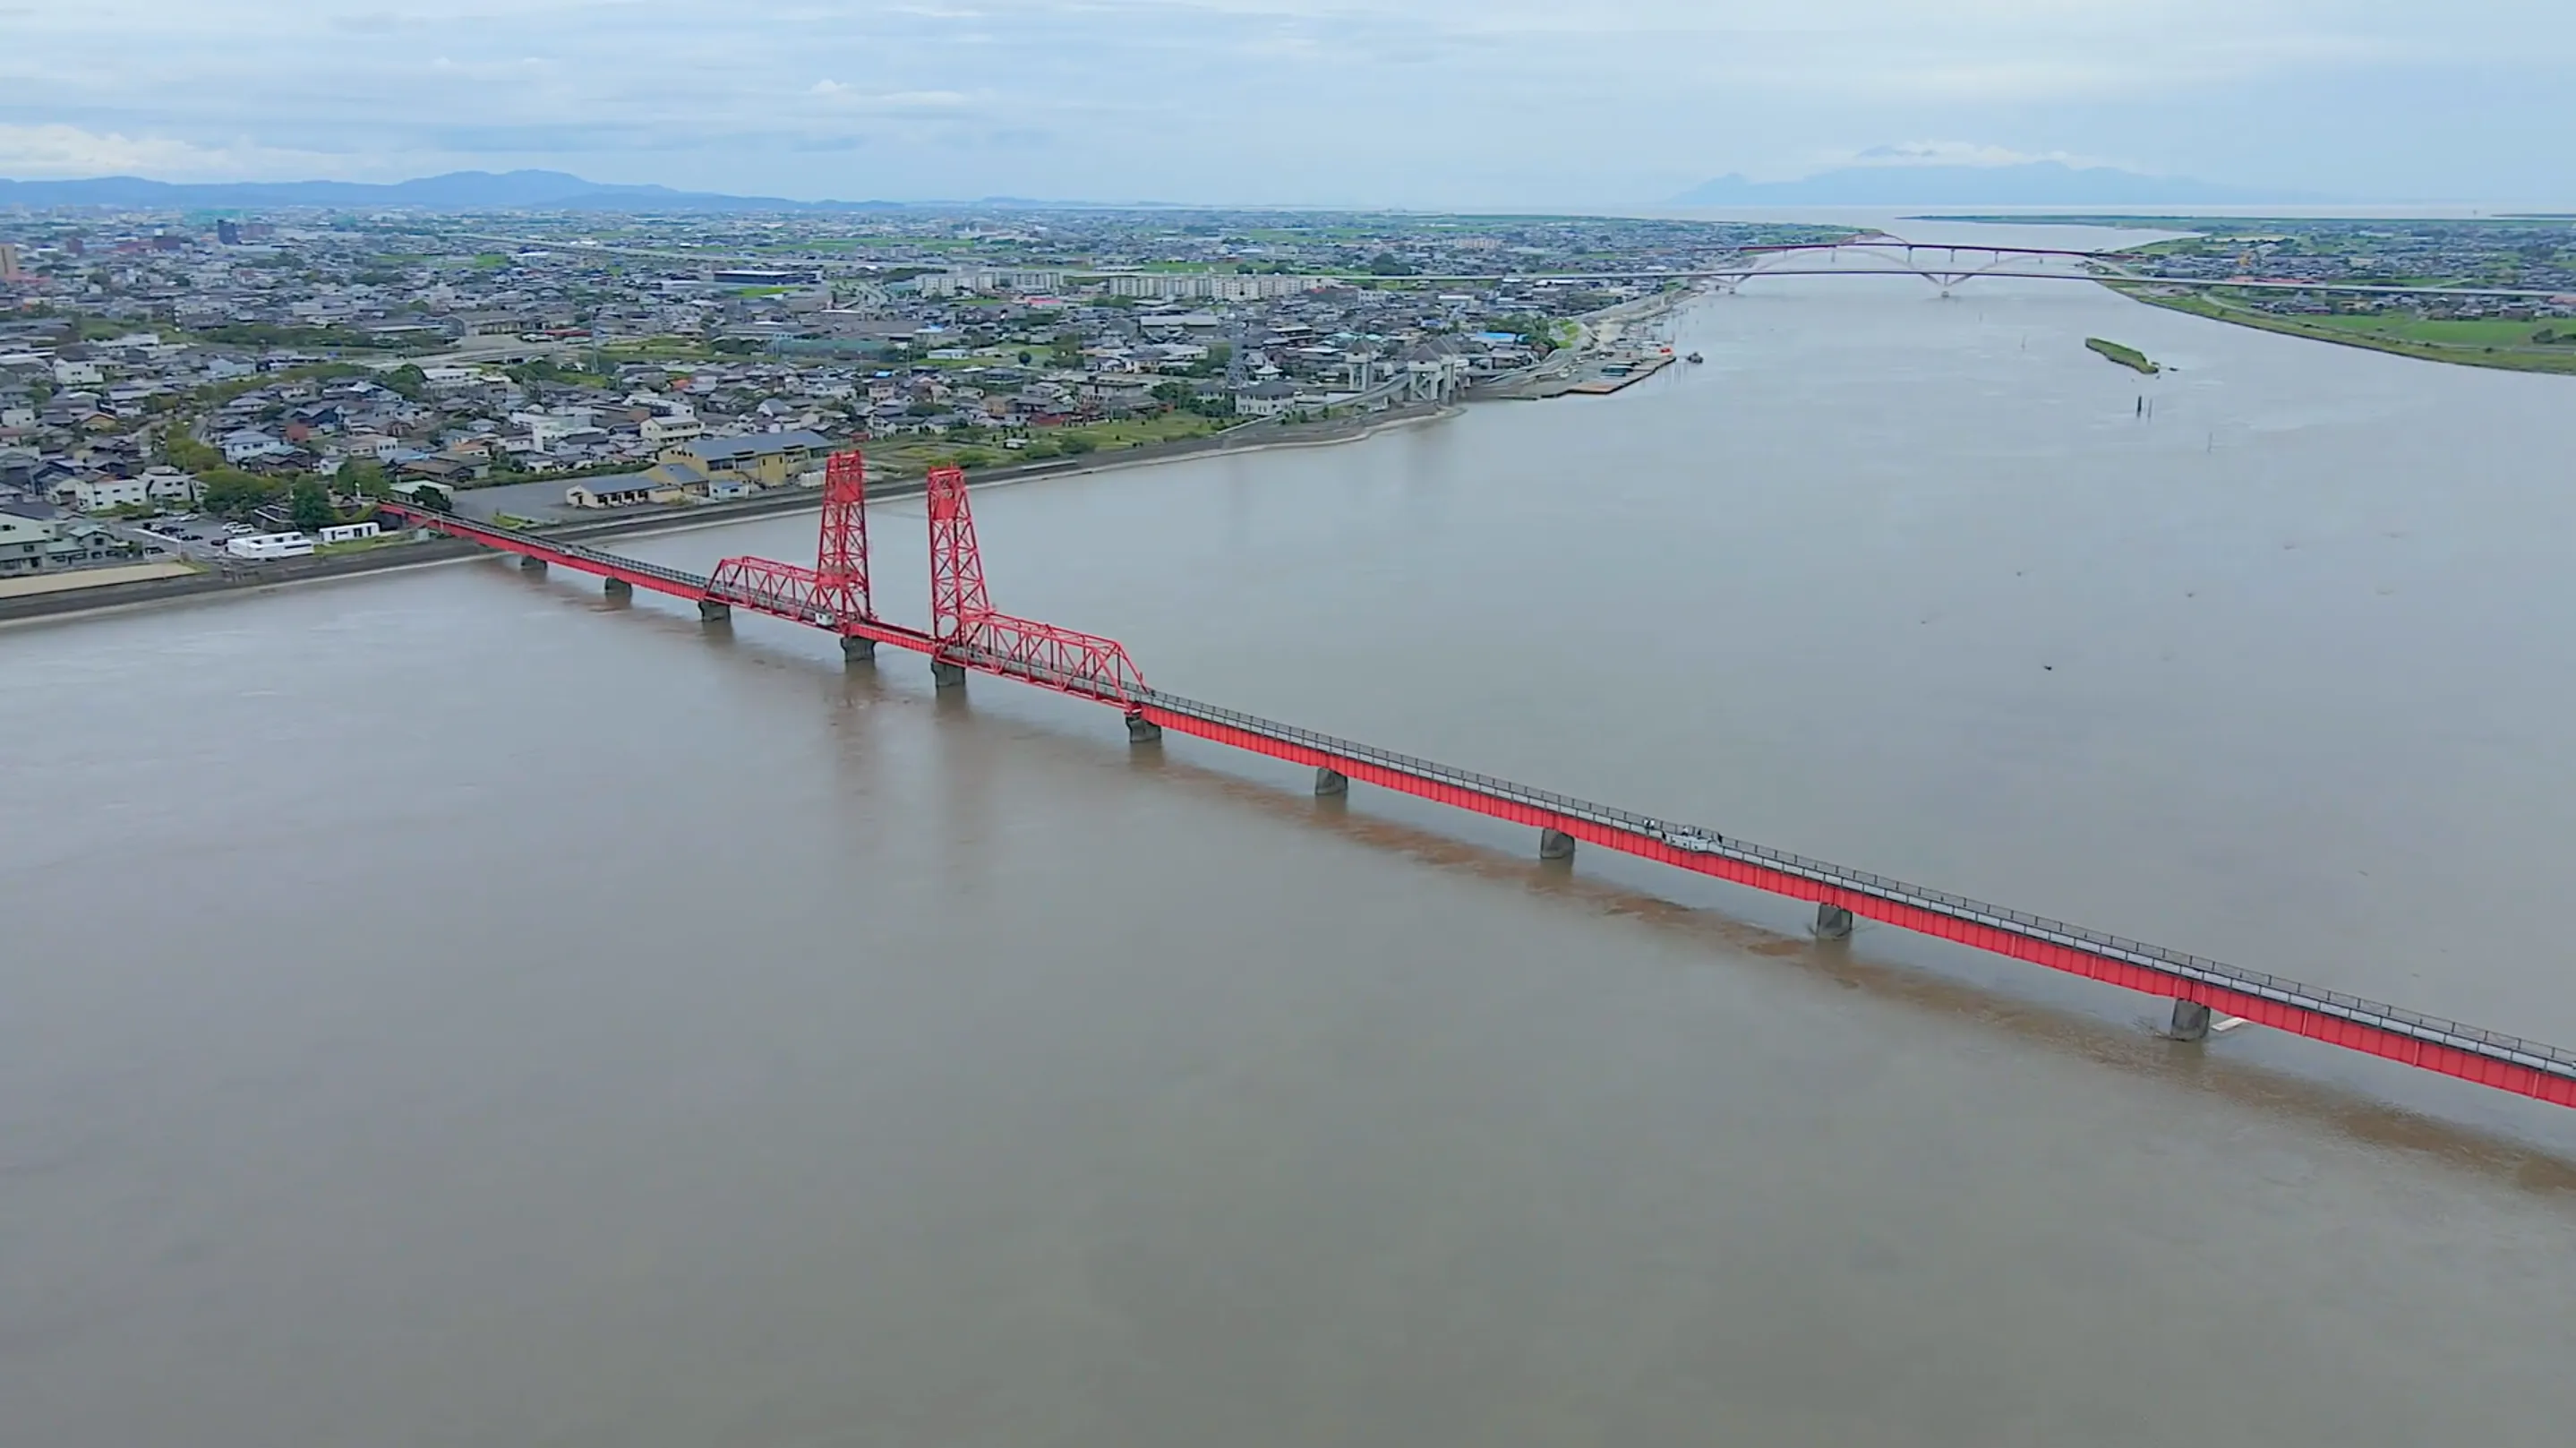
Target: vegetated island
{"points": [[2129, 357]]}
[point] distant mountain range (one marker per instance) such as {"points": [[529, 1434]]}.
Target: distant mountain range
{"points": [[2035, 183], [456, 191], [2032, 183]]}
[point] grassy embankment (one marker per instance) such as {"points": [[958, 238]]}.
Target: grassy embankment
{"points": [[912, 456], [2510, 345], [2129, 357]]}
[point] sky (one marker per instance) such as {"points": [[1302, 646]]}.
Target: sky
{"points": [[1410, 103]]}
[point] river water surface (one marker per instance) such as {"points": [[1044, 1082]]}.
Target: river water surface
{"points": [[448, 1008]]}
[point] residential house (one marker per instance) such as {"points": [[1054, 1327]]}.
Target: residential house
{"points": [[98, 494], [24, 542], [250, 444], [168, 485], [32, 545], [437, 468], [669, 430], [1123, 392], [1265, 399]]}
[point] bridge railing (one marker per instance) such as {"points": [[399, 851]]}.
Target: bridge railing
{"points": [[571, 552], [2553, 1060]]}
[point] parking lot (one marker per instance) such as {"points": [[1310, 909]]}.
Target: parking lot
{"points": [[186, 536]]}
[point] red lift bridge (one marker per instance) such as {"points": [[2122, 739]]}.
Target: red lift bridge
{"points": [[968, 635]]}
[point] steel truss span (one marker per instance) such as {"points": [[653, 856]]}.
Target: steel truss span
{"points": [[968, 634]]}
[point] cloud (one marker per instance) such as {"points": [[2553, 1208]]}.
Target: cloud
{"points": [[856, 98], [58, 150], [1957, 153], [1426, 102]]}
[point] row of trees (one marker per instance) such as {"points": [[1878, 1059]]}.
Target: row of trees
{"points": [[1039, 450], [268, 334], [1182, 397], [229, 492]]}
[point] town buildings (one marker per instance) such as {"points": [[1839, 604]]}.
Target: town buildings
{"points": [[151, 361]]}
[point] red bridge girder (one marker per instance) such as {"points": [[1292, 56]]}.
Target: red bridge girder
{"points": [[968, 633]]}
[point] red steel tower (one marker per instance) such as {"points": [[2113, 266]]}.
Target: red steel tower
{"points": [[972, 635], [958, 598], [833, 593], [841, 560]]}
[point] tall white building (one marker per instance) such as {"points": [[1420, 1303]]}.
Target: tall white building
{"points": [[971, 282], [1211, 286]]}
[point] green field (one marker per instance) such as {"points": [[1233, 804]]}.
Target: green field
{"points": [[2481, 332], [2513, 346], [910, 456], [1129, 432]]}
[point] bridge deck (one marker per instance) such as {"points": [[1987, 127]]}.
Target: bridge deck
{"points": [[652, 577], [2472, 1053]]}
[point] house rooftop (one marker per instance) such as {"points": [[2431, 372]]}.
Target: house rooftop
{"points": [[726, 449]]}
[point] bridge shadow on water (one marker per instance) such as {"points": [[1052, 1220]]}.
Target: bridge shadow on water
{"points": [[2496, 1155]]}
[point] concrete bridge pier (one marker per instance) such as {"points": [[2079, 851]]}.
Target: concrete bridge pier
{"points": [[947, 675], [1141, 730], [528, 563], [1833, 922], [618, 588], [710, 611], [858, 650], [1330, 781], [2190, 1021], [1555, 845]]}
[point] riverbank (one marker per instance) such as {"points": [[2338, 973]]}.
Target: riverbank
{"points": [[125, 593], [1601, 360], [28, 585], [2358, 331]]}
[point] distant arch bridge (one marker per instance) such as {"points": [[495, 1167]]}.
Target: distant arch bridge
{"points": [[1945, 265], [1949, 265]]}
